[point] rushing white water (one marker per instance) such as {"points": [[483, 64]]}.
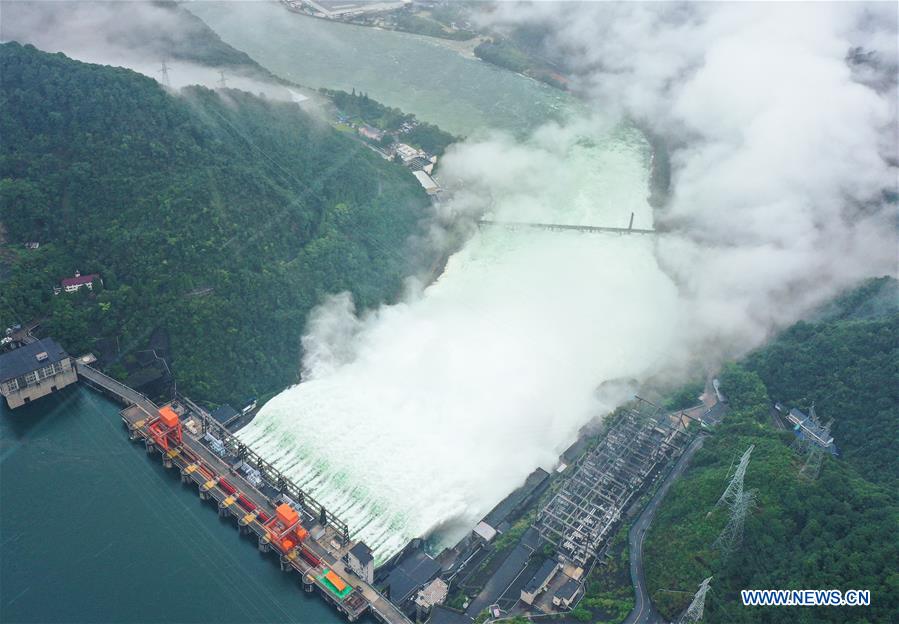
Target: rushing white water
{"points": [[425, 414]]}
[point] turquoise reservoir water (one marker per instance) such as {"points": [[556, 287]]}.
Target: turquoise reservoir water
{"points": [[94, 530]]}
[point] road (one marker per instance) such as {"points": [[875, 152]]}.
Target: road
{"points": [[644, 612]]}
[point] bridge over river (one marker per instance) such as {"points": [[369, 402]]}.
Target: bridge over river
{"points": [[595, 229]]}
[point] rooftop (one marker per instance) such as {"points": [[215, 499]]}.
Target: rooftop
{"points": [[445, 615], [539, 578], [362, 552], [568, 589], [79, 280], [509, 504], [486, 531], [224, 414], [810, 425], [25, 359], [433, 593], [413, 572]]}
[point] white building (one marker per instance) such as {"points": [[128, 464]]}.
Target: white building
{"points": [[79, 281], [34, 371], [346, 8], [485, 532], [427, 182], [361, 561], [407, 152]]}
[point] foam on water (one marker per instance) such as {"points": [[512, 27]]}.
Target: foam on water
{"points": [[425, 414]]}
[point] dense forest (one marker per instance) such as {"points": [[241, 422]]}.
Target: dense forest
{"points": [[193, 41], [519, 57], [218, 217], [361, 109], [504, 53], [836, 531]]}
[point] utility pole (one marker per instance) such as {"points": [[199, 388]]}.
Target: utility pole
{"points": [[696, 608], [165, 74]]}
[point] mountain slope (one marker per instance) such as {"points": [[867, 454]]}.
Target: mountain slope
{"points": [[218, 217], [834, 532]]}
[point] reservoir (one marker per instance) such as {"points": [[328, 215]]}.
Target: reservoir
{"points": [[90, 519], [417, 74]]}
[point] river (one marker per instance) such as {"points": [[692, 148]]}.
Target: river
{"points": [[94, 530], [417, 74]]}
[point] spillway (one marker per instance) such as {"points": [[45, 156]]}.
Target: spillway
{"points": [[421, 416]]}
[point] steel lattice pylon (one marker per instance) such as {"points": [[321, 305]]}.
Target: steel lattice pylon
{"points": [[812, 467], [697, 606], [739, 502], [734, 491], [732, 534]]}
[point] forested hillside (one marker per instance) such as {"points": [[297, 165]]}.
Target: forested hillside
{"points": [[219, 217], [836, 531]]}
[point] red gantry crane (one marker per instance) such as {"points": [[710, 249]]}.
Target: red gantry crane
{"points": [[285, 530], [165, 429]]}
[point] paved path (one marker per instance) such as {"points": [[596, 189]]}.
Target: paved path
{"points": [[644, 612]]}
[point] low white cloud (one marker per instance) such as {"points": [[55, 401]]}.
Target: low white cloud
{"points": [[138, 35], [783, 145]]}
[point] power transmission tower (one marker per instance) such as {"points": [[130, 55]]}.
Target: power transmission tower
{"points": [[222, 82], [734, 490], [732, 534], [812, 466], [812, 449], [694, 611], [739, 502], [165, 74]]}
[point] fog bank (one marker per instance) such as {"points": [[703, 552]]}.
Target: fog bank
{"points": [[782, 123], [137, 35]]}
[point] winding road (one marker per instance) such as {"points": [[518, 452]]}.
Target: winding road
{"points": [[644, 612]]}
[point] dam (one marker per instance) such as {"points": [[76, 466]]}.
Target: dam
{"points": [[415, 419]]}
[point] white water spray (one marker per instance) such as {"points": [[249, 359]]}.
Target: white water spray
{"points": [[432, 410]]}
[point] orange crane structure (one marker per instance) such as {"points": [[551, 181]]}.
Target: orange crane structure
{"points": [[284, 529], [165, 429]]}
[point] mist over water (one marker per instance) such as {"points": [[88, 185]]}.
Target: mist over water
{"points": [[432, 410]]}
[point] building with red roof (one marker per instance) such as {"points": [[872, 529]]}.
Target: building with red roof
{"points": [[74, 284]]}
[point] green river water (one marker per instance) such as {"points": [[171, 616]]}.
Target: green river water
{"points": [[417, 74]]}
